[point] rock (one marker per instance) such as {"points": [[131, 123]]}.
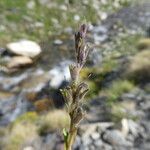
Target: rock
{"points": [[25, 48], [95, 136], [34, 82], [58, 42], [135, 128], [86, 141], [19, 61], [31, 4], [8, 83], [28, 148], [77, 142], [87, 130], [59, 74], [115, 137], [125, 127], [4, 95], [12, 108], [100, 34]]}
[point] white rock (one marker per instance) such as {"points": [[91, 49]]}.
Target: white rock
{"points": [[25, 48], [59, 74], [58, 42], [28, 148], [76, 18]]}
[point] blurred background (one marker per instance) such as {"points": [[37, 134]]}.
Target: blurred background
{"points": [[36, 47]]}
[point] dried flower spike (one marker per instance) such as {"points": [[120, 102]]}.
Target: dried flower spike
{"points": [[75, 92]]}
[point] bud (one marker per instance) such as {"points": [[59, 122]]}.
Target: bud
{"points": [[82, 49], [74, 72]]}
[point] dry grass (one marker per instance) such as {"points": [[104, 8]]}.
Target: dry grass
{"points": [[55, 120], [21, 133], [144, 44], [139, 68]]}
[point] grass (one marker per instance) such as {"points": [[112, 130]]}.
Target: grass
{"points": [[95, 75], [55, 120], [144, 44], [116, 90], [138, 69], [20, 134], [31, 125], [42, 21]]}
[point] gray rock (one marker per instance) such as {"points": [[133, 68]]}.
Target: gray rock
{"points": [[86, 141], [115, 137], [100, 34], [98, 143], [12, 108], [95, 136], [135, 129]]}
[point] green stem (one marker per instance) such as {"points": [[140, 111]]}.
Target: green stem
{"points": [[71, 137]]}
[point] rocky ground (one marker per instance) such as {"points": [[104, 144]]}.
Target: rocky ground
{"points": [[118, 75]]}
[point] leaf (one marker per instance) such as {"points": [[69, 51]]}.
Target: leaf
{"points": [[65, 134]]}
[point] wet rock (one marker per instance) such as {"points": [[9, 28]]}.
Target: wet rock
{"points": [[25, 48], [59, 74], [4, 95], [19, 61], [12, 108], [8, 83], [34, 82]]}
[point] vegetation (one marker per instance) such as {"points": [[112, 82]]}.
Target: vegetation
{"points": [[76, 91], [138, 70], [117, 89], [42, 20], [52, 121]]}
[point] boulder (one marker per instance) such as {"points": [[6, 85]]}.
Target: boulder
{"points": [[19, 61], [24, 48]]}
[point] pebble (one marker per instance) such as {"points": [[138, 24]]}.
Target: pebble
{"points": [[58, 42]]}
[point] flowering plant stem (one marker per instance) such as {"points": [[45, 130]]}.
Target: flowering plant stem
{"points": [[75, 92], [71, 137]]}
